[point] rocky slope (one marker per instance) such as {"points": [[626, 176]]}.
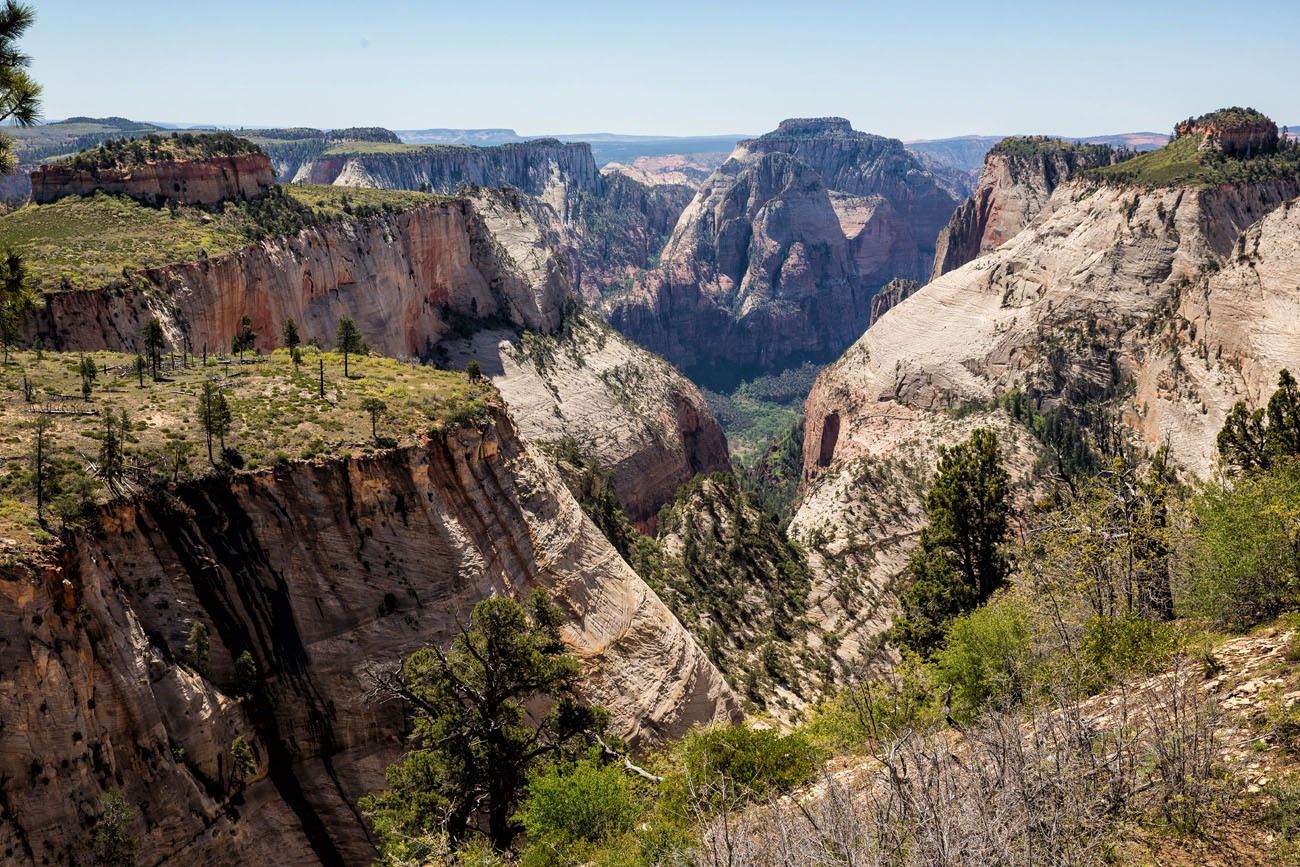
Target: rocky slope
{"points": [[1153, 308], [321, 571], [606, 226], [414, 281], [627, 409], [1018, 177], [778, 255]]}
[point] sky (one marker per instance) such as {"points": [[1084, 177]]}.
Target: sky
{"points": [[918, 69]]}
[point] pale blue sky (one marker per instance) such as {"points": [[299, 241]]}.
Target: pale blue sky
{"points": [[925, 68]]}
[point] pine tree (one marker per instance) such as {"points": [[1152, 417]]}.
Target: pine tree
{"points": [[961, 561], [375, 407], [244, 338], [289, 337], [474, 739], [214, 415], [42, 430], [17, 300], [154, 342], [89, 373], [1255, 440], [347, 340], [112, 451], [20, 95]]}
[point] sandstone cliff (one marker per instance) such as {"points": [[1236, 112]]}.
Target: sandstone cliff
{"points": [[320, 571], [891, 295], [605, 226], [188, 182], [1018, 178], [416, 283], [403, 278], [778, 255], [1129, 302], [627, 409]]}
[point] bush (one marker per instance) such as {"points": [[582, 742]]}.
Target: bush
{"points": [[1112, 647], [873, 714], [586, 803], [1244, 549], [988, 657], [725, 767]]}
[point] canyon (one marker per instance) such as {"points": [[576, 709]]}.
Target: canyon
{"points": [[413, 281], [777, 257], [324, 572]]}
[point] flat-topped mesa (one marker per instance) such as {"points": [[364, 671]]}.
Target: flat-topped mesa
{"points": [[203, 170], [811, 126], [1235, 132]]}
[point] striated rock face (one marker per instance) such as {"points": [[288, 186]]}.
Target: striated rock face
{"points": [[321, 572], [630, 410], [778, 255], [1096, 275], [1109, 299], [686, 170], [546, 168], [1019, 176], [402, 277], [605, 227], [415, 283], [188, 182], [1233, 132], [891, 295], [610, 236]]}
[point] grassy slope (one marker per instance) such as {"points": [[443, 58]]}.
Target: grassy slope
{"points": [[86, 242], [1182, 163], [277, 413]]}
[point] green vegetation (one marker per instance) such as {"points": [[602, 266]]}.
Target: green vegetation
{"points": [[127, 153], [80, 243], [475, 744], [575, 809], [1038, 145], [961, 560], [1183, 163], [275, 413], [761, 411], [113, 843], [1230, 118], [723, 565], [20, 95], [1251, 441], [772, 481], [1243, 564]]}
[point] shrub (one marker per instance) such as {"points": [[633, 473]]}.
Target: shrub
{"points": [[988, 657], [1112, 647], [585, 803], [875, 713], [113, 843], [723, 768], [1244, 549]]}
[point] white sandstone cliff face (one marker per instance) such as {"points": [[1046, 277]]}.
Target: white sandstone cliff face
{"points": [[1012, 189], [1112, 291], [627, 408], [321, 571], [1098, 270]]}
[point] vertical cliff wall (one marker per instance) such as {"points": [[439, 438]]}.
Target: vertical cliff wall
{"points": [[319, 571]]}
